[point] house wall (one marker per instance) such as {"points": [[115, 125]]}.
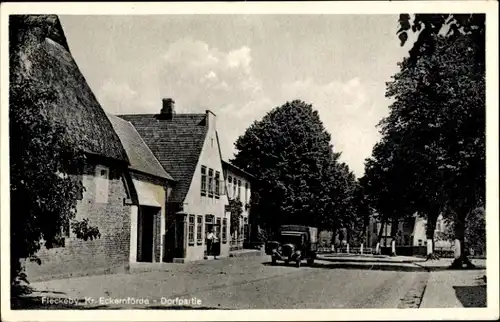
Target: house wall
{"points": [[410, 236], [420, 232], [110, 252], [159, 189], [244, 195], [403, 239], [196, 204]]}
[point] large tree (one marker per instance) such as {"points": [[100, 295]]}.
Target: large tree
{"points": [[414, 120], [45, 164], [464, 140], [440, 105], [388, 183], [289, 151]]}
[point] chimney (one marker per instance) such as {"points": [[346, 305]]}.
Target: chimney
{"points": [[168, 108]]}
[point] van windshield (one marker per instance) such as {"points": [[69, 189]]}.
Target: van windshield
{"points": [[290, 239]]}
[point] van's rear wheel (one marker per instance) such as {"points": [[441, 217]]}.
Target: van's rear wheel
{"points": [[287, 262], [310, 261]]}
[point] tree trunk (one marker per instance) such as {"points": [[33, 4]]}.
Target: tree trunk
{"points": [[432, 217], [461, 259], [334, 235], [379, 236], [394, 231]]}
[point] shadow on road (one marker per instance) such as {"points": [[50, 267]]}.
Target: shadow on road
{"points": [[446, 268], [471, 296]]}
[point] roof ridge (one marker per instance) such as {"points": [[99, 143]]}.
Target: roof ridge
{"points": [[154, 114]]}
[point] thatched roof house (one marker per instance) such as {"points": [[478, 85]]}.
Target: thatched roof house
{"points": [[39, 54]]}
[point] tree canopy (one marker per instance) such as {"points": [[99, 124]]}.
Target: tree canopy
{"points": [[301, 180], [434, 137]]}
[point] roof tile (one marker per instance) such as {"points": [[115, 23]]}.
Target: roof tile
{"points": [[176, 143], [140, 156]]}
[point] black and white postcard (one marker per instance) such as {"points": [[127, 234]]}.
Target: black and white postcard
{"points": [[249, 161]]}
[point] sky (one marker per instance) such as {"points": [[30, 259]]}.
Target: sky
{"points": [[242, 66]]}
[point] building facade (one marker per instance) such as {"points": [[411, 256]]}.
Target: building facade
{"points": [[238, 185], [151, 185], [187, 147], [411, 233]]}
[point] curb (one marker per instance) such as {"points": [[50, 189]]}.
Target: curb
{"points": [[362, 260], [398, 267]]}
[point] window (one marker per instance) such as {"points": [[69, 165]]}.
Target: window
{"points": [[218, 228], [199, 229], [234, 188], [101, 184], [420, 242], [210, 182], [224, 230], [239, 190], [60, 239], [229, 185], [246, 192], [217, 184], [209, 222], [191, 230], [203, 180]]}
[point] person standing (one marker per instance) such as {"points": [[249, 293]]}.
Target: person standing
{"points": [[211, 241]]}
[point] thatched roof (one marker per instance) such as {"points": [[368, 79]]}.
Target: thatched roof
{"points": [[40, 54], [140, 156], [176, 143]]}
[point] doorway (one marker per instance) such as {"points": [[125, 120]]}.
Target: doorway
{"points": [[146, 233]]}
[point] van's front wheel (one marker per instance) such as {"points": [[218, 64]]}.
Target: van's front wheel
{"points": [[310, 261]]}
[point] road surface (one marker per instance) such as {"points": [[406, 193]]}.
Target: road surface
{"points": [[246, 283]]}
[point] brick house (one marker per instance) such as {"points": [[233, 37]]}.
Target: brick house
{"points": [[239, 184], [187, 147], [151, 185], [44, 57]]}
